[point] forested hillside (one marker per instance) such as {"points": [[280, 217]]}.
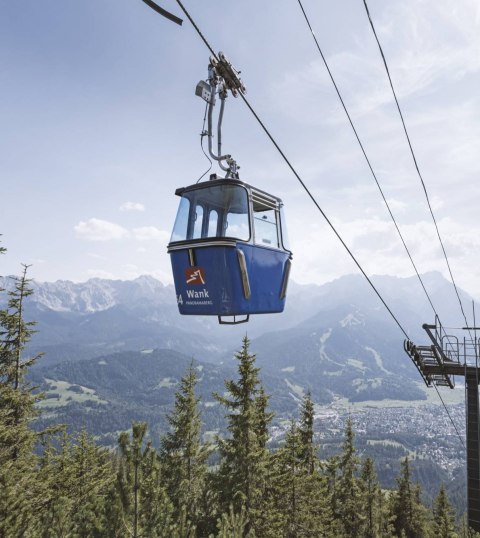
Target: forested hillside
{"points": [[57, 485]]}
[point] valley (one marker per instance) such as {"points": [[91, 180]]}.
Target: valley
{"points": [[115, 352]]}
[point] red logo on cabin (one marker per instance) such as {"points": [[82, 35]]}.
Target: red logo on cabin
{"points": [[195, 275]]}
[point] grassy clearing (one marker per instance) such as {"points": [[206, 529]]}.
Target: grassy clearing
{"points": [[297, 389], [451, 397], [60, 394], [167, 382]]}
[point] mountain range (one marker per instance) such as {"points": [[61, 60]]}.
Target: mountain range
{"points": [[84, 320], [334, 340], [114, 352]]}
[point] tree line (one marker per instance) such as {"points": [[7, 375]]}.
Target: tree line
{"points": [[55, 485]]}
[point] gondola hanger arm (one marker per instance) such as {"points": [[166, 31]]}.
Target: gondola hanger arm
{"points": [[163, 12]]}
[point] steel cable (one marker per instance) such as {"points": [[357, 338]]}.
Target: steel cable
{"points": [[357, 263]]}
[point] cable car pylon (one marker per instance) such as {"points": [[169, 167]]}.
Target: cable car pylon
{"points": [[447, 356], [229, 251]]}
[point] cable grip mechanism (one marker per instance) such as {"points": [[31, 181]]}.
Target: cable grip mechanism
{"points": [[222, 78]]}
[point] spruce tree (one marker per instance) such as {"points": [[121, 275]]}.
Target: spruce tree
{"points": [[443, 516], [376, 522], [331, 476], [146, 509], [409, 514], [56, 474], [348, 493], [92, 478], [233, 524], [76, 475], [17, 408], [16, 396], [244, 458], [466, 531], [182, 454], [263, 417], [290, 482], [306, 431], [370, 491], [300, 498], [301, 495]]}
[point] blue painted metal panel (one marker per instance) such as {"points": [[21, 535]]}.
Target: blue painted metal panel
{"points": [[214, 286], [266, 268]]}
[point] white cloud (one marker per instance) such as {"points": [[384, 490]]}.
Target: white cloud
{"points": [[150, 233], [96, 256], [100, 230], [436, 203], [100, 273], [437, 44], [164, 276], [132, 206], [319, 257], [397, 205]]}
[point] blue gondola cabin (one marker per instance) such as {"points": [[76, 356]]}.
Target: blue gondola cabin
{"points": [[229, 251]]}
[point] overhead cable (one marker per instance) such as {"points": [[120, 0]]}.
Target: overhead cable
{"points": [[366, 158], [381, 192], [416, 163]]}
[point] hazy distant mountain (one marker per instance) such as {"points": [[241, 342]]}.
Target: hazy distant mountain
{"points": [[336, 340], [351, 347], [83, 320]]}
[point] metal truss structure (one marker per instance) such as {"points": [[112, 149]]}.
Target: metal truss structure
{"points": [[444, 357]]}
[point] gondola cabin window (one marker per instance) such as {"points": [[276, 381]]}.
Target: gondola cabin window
{"points": [[266, 222], [266, 228], [212, 223], [219, 211], [198, 222], [181, 222]]}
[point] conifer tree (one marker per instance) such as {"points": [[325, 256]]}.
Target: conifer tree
{"points": [[92, 477], [76, 478], [376, 523], [290, 481], [410, 516], [183, 528], [182, 454], [443, 516], [244, 457], [466, 531], [349, 499], [301, 496], [370, 491], [234, 524], [17, 401], [147, 510], [56, 474], [306, 432], [331, 476], [263, 417]]}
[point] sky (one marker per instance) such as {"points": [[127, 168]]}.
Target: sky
{"points": [[100, 125]]}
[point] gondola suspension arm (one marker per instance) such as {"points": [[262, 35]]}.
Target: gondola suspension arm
{"points": [[222, 76]]}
